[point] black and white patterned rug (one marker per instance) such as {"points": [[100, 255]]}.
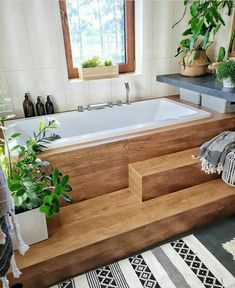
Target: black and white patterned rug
{"points": [[183, 263]]}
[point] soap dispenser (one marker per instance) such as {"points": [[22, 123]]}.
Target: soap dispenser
{"points": [[28, 106], [40, 107], [49, 106]]}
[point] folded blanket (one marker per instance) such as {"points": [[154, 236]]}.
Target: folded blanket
{"points": [[214, 152], [8, 224]]}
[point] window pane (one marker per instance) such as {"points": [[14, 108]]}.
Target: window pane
{"points": [[97, 28]]}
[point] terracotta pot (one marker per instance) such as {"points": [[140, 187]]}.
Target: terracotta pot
{"points": [[194, 66]]}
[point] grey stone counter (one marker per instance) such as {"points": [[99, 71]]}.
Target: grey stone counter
{"points": [[204, 84]]}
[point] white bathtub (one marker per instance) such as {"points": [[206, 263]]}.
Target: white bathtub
{"points": [[88, 126]]}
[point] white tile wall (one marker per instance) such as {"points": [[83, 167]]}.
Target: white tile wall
{"points": [[19, 83], [5, 95], [32, 54], [43, 33], [14, 38], [51, 82], [162, 32]]}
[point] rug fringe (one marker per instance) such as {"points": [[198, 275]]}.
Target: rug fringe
{"points": [[230, 247]]}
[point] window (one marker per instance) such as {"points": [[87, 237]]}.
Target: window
{"points": [[103, 28]]}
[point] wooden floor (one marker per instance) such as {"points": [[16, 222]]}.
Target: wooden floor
{"points": [[98, 231]]}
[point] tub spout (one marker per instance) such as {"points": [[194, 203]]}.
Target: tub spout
{"points": [[128, 97]]}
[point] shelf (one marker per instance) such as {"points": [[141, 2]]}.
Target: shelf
{"points": [[203, 84]]}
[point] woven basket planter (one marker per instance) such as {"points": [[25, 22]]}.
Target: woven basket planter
{"points": [[228, 175]]}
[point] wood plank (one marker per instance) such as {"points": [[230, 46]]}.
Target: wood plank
{"points": [[93, 171], [166, 174], [100, 168], [176, 139], [95, 232]]}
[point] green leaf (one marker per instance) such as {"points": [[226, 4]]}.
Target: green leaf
{"points": [[20, 192], [185, 43], [41, 125], [68, 188], [216, 29], [221, 54], [13, 136], [187, 32], [59, 189], [206, 38], [47, 199], [194, 8], [217, 15], [65, 180], [43, 208], [15, 186], [67, 198], [55, 176]]}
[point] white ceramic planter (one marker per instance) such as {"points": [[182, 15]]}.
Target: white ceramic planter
{"points": [[33, 227], [101, 72], [227, 83], [190, 96]]}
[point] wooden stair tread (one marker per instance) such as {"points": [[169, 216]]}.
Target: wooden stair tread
{"points": [[93, 221], [165, 162]]}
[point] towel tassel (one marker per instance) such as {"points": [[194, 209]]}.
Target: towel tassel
{"points": [[15, 270], [2, 237], [22, 246], [5, 282]]}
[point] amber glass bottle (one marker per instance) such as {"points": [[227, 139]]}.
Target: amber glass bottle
{"points": [[49, 106], [28, 106], [40, 107]]}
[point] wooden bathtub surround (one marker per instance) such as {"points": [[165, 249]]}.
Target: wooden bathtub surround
{"points": [[166, 174], [98, 169], [98, 231], [168, 195]]}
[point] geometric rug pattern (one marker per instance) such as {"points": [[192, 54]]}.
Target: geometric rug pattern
{"points": [[196, 265], [183, 263]]}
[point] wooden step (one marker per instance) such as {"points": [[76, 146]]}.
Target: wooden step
{"points": [[98, 231], [166, 174]]}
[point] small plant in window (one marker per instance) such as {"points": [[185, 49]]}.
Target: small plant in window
{"points": [[92, 62], [93, 69], [108, 63]]}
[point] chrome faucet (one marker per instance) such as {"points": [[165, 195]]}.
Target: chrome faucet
{"points": [[99, 106], [128, 97]]}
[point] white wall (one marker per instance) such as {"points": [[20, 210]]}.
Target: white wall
{"points": [[32, 54]]}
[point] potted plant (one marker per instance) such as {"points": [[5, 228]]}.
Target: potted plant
{"points": [[204, 23], [93, 69], [35, 186], [225, 73]]}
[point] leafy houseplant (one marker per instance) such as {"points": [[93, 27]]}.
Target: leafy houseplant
{"points": [[32, 182], [226, 73], [205, 22], [93, 68]]}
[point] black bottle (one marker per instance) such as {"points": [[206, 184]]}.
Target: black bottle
{"points": [[49, 106], [40, 107], [28, 106]]}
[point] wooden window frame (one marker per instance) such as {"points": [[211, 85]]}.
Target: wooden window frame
{"points": [[129, 66]]}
